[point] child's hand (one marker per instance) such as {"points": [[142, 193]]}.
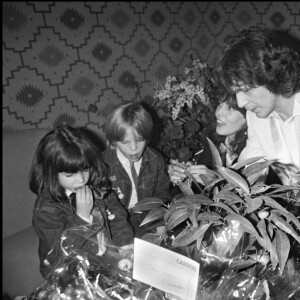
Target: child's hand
{"points": [[176, 170], [84, 201], [176, 173], [197, 170]]}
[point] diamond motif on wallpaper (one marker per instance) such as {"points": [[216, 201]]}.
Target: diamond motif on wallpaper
{"points": [[64, 119], [78, 23], [244, 17], [142, 47], [101, 51], [189, 17], [161, 67], [29, 95], [120, 18], [63, 111], [277, 19], [214, 17], [128, 80], [125, 78], [155, 15], [18, 34], [51, 56], [72, 19], [176, 44], [157, 18], [83, 86], [13, 18], [202, 43]]}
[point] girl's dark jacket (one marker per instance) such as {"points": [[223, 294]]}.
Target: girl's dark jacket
{"points": [[51, 218]]}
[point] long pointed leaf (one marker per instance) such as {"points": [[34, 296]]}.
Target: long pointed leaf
{"points": [[147, 204], [216, 158], [230, 197], [154, 214], [176, 218], [255, 170], [191, 236], [289, 217], [266, 239], [246, 162], [282, 248], [283, 225], [244, 223], [234, 178]]}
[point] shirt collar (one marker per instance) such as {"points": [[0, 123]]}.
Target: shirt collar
{"points": [[68, 192], [296, 109], [123, 159]]}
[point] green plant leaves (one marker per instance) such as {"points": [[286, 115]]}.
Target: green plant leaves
{"points": [[255, 170], [190, 236], [154, 214], [234, 178], [147, 204], [216, 159], [283, 225], [176, 218], [282, 244], [244, 223]]}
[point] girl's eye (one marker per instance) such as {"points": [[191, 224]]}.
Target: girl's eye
{"points": [[69, 174]]}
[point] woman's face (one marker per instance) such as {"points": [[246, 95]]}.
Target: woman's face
{"points": [[229, 120]]}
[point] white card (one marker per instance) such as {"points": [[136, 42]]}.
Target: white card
{"points": [[165, 270]]}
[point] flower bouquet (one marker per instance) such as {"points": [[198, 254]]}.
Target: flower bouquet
{"points": [[240, 231], [186, 109]]}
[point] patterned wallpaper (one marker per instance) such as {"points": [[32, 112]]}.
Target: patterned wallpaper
{"points": [[70, 62]]}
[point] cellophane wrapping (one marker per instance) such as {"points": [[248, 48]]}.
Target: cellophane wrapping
{"points": [[82, 274]]}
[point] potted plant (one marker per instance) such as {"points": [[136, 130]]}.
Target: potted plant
{"points": [[234, 197]]}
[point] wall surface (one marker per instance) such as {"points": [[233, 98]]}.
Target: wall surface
{"points": [[70, 62]]}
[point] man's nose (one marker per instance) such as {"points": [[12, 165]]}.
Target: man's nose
{"points": [[241, 99]]}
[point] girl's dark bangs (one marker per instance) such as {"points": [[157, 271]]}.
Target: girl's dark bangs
{"points": [[72, 163]]}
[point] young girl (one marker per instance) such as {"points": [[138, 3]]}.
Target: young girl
{"points": [[66, 165], [128, 130]]}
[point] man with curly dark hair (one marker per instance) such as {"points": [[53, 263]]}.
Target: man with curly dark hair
{"points": [[264, 74]]}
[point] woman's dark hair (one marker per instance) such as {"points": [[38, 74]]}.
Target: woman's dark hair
{"points": [[257, 57], [65, 149], [128, 116]]}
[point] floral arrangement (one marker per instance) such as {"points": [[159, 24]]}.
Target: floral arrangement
{"points": [[235, 224], [186, 110]]}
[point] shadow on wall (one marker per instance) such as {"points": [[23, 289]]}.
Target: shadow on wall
{"points": [[289, 40], [157, 125]]}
